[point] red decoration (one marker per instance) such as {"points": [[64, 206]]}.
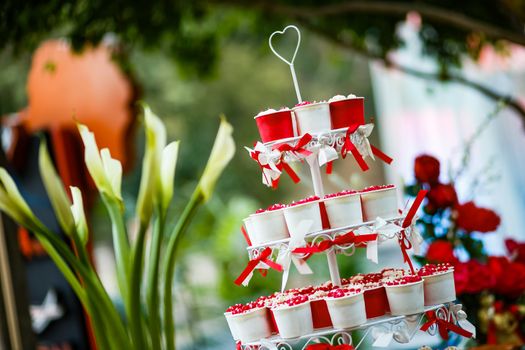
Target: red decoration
{"points": [[252, 264], [323, 346], [404, 243], [426, 169], [516, 250], [443, 326], [347, 112], [441, 196], [275, 126], [473, 218], [441, 251], [349, 147], [347, 238]]}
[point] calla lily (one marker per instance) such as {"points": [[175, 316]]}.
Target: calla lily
{"points": [[221, 154], [105, 171], [55, 190], [167, 172], [12, 201], [77, 209], [155, 142]]}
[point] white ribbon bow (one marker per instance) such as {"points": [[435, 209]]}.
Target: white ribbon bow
{"points": [[383, 228], [268, 157], [360, 140], [285, 257]]}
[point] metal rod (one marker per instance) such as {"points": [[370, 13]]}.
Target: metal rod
{"points": [[295, 84], [315, 170]]}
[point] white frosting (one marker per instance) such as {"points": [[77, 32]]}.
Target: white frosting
{"points": [[268, 111], [337, 98], [352, 96]]}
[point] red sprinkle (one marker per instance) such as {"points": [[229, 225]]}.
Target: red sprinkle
{"points": [[431, 269], [304, 103], [375, 188], [272, 207], [339, 194], [293, 301], [305, 200], [404, 280], [343, 292]]}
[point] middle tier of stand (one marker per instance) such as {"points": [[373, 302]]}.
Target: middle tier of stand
{"points": [[384, 233]]}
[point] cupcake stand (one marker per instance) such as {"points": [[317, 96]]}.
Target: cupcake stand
{"points": [[286, 236]]}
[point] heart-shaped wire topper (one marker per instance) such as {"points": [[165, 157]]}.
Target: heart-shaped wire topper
{"points": [[289, 63], [282, 32]]}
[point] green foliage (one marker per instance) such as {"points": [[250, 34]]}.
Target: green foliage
{"points": [[191, 32]]}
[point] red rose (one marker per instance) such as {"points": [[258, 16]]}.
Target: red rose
{"points": [[509, 276], [441, 252], [442, 196], [516, 250], [472, 218], [461, 277], [426, 169], [480, 277]]}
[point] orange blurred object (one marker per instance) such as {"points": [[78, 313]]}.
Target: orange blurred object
{"points": [[64, 86]]}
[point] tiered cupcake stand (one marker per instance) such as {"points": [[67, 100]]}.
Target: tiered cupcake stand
{"points": [[441, 316]]}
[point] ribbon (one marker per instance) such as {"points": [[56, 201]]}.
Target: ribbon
{"points": [[326, 155], [404, 242], [347, 238], [268, 162], [349, 146], [245, 234], [298, 149], [382, 228], [444, 326], [246, 274], [285, 257], [329, 167]]}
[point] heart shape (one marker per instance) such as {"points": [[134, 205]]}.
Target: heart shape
{"points": [[281, 32]]}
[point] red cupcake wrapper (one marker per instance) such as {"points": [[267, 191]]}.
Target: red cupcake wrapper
{"points": [[275, 126]]}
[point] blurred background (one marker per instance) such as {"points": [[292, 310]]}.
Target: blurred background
{"points": [[443, 78]]}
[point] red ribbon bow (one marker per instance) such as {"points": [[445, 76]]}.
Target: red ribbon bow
{"points": [[349, 146], [347, 238], [299, 147], [252, 264], [443, 326], [404, 242]]}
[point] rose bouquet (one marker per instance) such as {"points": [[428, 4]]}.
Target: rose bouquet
{"points": [[147, 322], [491, 287]]}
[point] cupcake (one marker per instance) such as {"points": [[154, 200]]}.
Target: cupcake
{"points": [[343, 208], [248, 322], [305, 209], [312, 118], [346, 111], [438, 283], [405, 295], [379, 201], [275, 125], [346, 307], [293, 316], [267, 225]]}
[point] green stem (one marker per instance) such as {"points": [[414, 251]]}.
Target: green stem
{"points": [[135, 314], [169, 264], [58, 249], [120, 244], [152, 284]]}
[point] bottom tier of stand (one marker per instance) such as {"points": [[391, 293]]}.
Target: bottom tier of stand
{"points": [[383, 330]]}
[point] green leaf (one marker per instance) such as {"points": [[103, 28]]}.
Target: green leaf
{"points": [[55, 190]]}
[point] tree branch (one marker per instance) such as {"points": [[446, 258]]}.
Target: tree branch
{"points": [[433, 13], [509, 100]]}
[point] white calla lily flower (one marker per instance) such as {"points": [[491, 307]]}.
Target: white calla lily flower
{"points": [[77, 210], [150, 188], [105, 171], [167, 172], [55, 190], [221, 154]]}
